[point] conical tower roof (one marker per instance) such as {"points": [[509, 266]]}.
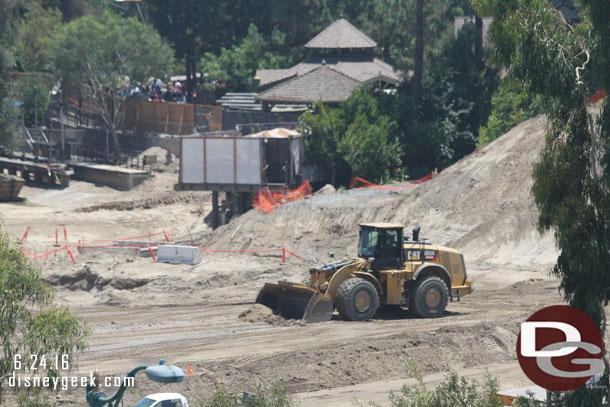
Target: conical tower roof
{"points": [[340, 35]]}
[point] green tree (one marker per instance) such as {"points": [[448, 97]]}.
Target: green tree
{"points": [[323, 127], [33, 48], [9, 12], [465, 83], [236, 66], [510, 106], [355, 136], [368, 143], [31, 324], [564, 65], [35, 38], [97, 54]]}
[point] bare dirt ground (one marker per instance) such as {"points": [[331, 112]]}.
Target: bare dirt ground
{"points": [[140, 311]]}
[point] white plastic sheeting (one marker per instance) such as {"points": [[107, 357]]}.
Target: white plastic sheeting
{"points": [[219, 160], [191, 164], [296, 155], [248, 155]]}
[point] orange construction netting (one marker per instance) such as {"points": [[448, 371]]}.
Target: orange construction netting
{"points": [[267, 200], [358, 182]]}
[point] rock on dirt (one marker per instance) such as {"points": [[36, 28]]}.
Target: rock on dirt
{"points": [[162, 165], [327, 189]]}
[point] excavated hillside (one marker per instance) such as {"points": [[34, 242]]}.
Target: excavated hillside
{"points": [[481, 205]]}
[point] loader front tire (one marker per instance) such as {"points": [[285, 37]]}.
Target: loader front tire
{"points": [[429, 298], [356, 300]]}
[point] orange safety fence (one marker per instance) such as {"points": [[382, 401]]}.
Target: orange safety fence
{"points": [[267, 200], [358, 182], [124, 242]]}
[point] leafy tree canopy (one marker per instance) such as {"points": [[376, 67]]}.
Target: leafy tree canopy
{"points": [[355, 138], [236, 66], [35, 39], [109, 49], [510, 106]]}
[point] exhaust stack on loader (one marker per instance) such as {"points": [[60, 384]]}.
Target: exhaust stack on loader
{"points": [[388, 271]]}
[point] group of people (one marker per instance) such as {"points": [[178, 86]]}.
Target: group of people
{"points": [[157, 92]]}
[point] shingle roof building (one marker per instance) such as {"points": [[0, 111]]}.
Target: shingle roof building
{"points": [[362, 68], [341, 54], [322, 83]]}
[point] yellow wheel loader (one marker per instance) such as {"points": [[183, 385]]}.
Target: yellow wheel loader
{"points": [[389, 270]]}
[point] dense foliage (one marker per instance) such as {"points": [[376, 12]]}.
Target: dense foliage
{"points": [[510, 106], [275, 396], [31, 324], [236, 66], [453, 391], [457, 90], [354, 139]]}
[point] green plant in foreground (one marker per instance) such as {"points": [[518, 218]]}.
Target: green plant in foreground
{"points": [[31, 323], [275, 396], [453, 391]]}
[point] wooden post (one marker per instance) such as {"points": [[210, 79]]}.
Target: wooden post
{"points": [[135, 124], [215, 217], [235, 210], [242, 202], [181, 119]]}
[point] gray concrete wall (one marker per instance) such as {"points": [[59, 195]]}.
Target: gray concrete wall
{"points": [[123, 181]]}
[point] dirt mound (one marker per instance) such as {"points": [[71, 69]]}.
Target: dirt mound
{"points": [[260, 313], [349, 363], [86, 280], [482, 205], [169, 198]]}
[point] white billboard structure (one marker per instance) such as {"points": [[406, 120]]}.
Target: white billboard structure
{"points": [[240, 163], [221, 161]]}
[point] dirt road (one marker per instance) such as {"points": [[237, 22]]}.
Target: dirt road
{"points": [[326, 361]]}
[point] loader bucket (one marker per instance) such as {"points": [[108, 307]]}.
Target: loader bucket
{"points": [[295, 301]]}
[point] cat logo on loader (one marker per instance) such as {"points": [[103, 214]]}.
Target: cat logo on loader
{"points": [[388, 270]]}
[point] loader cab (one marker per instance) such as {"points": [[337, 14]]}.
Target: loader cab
{"points": [[383, 243]]}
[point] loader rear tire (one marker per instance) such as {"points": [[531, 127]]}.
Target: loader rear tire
{"points": [[356, 300], [429, 298]]}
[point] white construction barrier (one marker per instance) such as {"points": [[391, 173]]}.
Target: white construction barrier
{"points": [[178, 254]]}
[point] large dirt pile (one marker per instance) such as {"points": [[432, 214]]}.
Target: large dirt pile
{"points": [[482, 205]]}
